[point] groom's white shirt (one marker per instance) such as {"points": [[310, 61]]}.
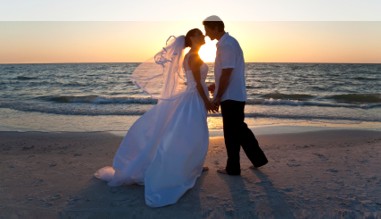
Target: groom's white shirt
{"points": [[230, 55]]}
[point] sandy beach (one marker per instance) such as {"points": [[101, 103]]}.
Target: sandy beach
{"points": [[320, 174]]}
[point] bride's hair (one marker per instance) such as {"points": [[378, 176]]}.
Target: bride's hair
{"points": [[188, 41]]}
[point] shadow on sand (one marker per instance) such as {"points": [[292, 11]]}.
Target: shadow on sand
{"points": [[101, 201], [255, 198]]}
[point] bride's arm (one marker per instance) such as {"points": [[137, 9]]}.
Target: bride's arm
{"points": [[195, 64]]}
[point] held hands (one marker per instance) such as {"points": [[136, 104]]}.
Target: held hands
{"points": [[211, 107], [214, 104]]}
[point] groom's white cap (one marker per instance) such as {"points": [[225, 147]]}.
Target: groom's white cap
{"points": [[213, 18]]}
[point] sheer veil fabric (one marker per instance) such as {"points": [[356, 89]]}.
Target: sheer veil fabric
{"points": [[165, 149], [163, 77]]}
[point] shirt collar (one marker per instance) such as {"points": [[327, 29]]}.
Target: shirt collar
{"points": [[223, 38]]}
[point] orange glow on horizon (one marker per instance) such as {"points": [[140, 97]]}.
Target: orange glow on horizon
{"points": [[49, 42]]}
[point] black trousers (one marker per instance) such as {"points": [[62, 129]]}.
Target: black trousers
{"points": [[237, 134]]}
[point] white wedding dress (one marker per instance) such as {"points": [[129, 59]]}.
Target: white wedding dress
{"points": [[165, 149]]}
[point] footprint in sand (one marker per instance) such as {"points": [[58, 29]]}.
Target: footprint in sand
{"points": [[293, 163], [321, 156], [332, 170]]}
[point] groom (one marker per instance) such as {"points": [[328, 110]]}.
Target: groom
{"points": [[230, 94]]}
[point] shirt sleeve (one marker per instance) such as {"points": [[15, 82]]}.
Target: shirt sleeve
{"points": [[227, 56]]}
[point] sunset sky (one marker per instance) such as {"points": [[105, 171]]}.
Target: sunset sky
{"points": [[49, 31]]}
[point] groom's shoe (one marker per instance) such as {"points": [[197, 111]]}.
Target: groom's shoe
{"points": [[258, 165]]}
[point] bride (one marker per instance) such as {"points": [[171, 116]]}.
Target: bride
{"points": [[165, 149]]}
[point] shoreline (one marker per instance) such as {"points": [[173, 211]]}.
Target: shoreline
{"points": [[327, 174], [12, 120]]}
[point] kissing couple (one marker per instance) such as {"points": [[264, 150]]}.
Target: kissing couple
{"points": [[165, 149]]}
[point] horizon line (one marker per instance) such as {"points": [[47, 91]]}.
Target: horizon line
{"points": [[136, 62]]}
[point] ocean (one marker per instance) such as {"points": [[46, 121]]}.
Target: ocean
{"points": [[102, 97]]}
